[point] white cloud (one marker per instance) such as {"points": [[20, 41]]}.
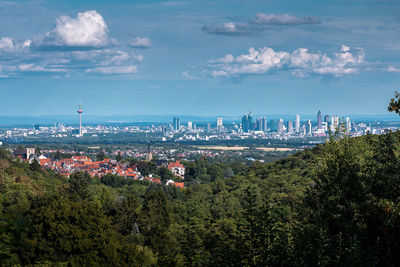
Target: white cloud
{"points": [[392, 69], [300, 62], [140, 42], [114, 70], [260, 23], [228, 58], [189, 75], [227, 28], [284, 19], [88, 29], [31, 67], [8, 44], [82, 47], [107, 57]]}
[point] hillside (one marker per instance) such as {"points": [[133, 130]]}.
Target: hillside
{"points": [[335, 204]]}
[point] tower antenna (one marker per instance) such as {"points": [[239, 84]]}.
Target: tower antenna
{"points": [[80, 111]]}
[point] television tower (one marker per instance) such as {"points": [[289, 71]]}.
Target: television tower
{"points": [[80, 111]]}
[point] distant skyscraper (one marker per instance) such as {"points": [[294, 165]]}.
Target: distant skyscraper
{"points": [[247, 123], [262, 124], [319, 120], [250, 119], [208, 127], [290, 127], [219, 124], [190, 125], [177, 124], [164, 130], [297, 124], [308, 127], [273, 125], [348, 124], [326, 119], [280, 126]]}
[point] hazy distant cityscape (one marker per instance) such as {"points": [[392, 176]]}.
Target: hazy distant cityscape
{"points": [[250, 127]]}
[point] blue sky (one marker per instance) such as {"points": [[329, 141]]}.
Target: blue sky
{"points": [[198, 57]]}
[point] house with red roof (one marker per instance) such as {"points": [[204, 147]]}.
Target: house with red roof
{"points": [[177, 169]]}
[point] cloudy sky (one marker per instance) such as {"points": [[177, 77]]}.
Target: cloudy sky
{"points": [[199, 57]]}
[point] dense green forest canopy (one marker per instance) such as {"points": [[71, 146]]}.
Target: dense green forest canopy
{"points": [[334, 204]]}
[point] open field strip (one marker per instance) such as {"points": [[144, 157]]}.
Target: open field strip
{"points": [[223, 147], [237, 148], [275, 148]]}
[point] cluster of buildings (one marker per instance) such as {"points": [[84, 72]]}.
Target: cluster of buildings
{"points": [[295, 127], [274, 128], [98, 168], [247, 127]]}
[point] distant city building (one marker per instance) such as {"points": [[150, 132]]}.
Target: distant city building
{"points": [[164, 130], [220, 125], [326, 119], [319, 120], [250, 119], [190, 125], [280, 126], [308, 128], [348, 124], [297, 124], [325, 126], [37, 127], [290, 127], [176, 124], [273, 125], [247, 123], [208, 127], [262, 124], [335, 123]]}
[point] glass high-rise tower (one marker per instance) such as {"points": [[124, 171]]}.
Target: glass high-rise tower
{"points": [[247, 123], [177, 124], [297, 124], [319, 120]]}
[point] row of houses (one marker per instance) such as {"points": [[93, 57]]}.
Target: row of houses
{"points": [[97, 168]]}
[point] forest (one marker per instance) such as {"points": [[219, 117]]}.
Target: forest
{"points": [[335, 204]]}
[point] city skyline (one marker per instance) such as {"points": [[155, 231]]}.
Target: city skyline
{"points": [[188, 57]]}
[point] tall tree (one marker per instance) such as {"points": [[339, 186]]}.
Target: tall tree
{"points": [[101, 156], [394, 104], [35, 165], [79, 184]]}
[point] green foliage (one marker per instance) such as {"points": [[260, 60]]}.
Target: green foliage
{"points": [[115, 180], [35, 166], [79, 184], [118, 157], [146, 167], [350, 210], [337, 204], [394, 105], [77, 233], [165, 174], [101, 156]]}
